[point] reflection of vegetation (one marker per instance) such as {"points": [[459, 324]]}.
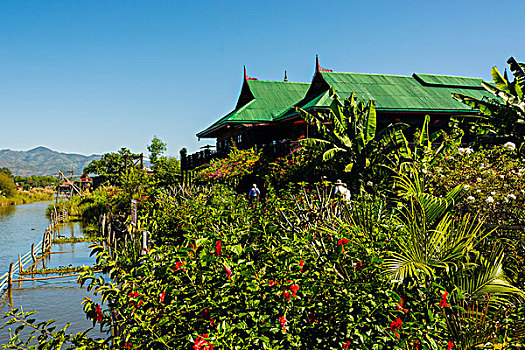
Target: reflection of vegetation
{"points": [[6, 209]]}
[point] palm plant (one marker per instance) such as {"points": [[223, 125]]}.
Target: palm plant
{"points": [[432, 245], [348, 131], [503, 115]]}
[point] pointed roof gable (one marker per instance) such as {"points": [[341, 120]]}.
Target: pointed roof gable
{"points": [[260, 101]]}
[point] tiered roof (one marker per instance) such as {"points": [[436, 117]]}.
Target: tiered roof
{"points": [[269, 101]]}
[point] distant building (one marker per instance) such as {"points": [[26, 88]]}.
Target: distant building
{"points": [[265, 114]]}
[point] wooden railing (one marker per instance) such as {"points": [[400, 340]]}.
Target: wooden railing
{"points": [[44, 246]]}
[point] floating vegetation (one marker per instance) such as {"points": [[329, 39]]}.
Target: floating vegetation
{"points": [[77, 240]]}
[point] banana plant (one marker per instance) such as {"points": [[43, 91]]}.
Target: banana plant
{"points": [[503, 115], [349, 131]]}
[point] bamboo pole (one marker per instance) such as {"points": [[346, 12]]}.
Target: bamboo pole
{"points": [[20, 266], [10, 275]]}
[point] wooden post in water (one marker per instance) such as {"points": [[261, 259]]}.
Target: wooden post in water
{"points": [[20, 267], [10, 276], [33, 253]]}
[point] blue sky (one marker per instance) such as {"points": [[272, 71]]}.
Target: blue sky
{"points": [[93, 76]]}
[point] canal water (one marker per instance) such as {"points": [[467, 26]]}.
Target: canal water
{"points": [[59, 299]]}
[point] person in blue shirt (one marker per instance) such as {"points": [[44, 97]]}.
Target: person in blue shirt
{"points": [[254, 193]]}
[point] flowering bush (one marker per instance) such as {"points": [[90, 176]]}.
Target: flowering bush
{"points": [[230, 169], [493, 179]]}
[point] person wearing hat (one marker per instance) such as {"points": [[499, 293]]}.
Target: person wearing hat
{"points": [[340, 187], [254, 193]]}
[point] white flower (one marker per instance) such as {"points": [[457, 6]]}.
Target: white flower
{"points": [[478, 179], [370, 183], [511, 195], [509, 146], [489, 199], [466, 187], [471, 199], [424, 170], [493, 193], [461, 151], [478, 190], [502, 176], [468, 150]]}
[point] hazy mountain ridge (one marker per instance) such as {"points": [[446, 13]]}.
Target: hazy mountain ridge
{"points": [[43, 161]]}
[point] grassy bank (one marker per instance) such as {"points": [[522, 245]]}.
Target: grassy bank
{"points": [[24, 197]]}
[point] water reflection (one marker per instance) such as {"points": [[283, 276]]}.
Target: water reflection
{"points": [[59, 298], [5, 210]]}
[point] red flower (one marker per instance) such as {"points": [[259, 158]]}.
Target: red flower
{"points": [[282, 321], [450, 345], [273, 283], [443, 302], [98, 310], [127, 345], [343, 241], [135, 295], [202, 344], [416, 345], [218, 247], [228, 272], [347, 345], [294, 287], [161, 297], [359, 265], [395, 325], [286, 295], [301, 265], [179, 265], [400, 306]]}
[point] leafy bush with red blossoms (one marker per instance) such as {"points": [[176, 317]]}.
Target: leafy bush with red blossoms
{"points": [[231, 169]]}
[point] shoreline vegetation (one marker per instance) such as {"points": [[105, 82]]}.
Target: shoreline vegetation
{"points": [[26, 197]]}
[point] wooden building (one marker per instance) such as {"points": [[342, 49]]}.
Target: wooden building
{"points": [[265, 114]]}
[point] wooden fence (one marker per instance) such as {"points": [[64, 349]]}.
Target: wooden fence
{"points": [[36, 253]]}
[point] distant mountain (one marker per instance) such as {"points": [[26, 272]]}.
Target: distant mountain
{"points": [[43, 161]]}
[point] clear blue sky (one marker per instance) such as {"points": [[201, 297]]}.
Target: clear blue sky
{"points": [[93, 76]]}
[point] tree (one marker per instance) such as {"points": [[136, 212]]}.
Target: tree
{"points": [[6, 171], [348, 131], [156, 149], [110, 165], [7, 185], [503, 117], [167, 169]]}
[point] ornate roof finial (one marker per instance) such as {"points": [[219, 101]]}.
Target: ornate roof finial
{"points": [[246, 77], [505, 76], [318, 67], [285, 76]]}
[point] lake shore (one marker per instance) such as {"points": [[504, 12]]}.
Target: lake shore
{"points": [[25, 197]]}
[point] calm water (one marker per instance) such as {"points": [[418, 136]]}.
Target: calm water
{"points": [[58, 299]]}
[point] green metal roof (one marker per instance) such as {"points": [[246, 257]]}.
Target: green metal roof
{"points": [[270, 99], [419, 92]]}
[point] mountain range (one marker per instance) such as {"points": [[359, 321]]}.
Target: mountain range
{"points": [[43, 161]]}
